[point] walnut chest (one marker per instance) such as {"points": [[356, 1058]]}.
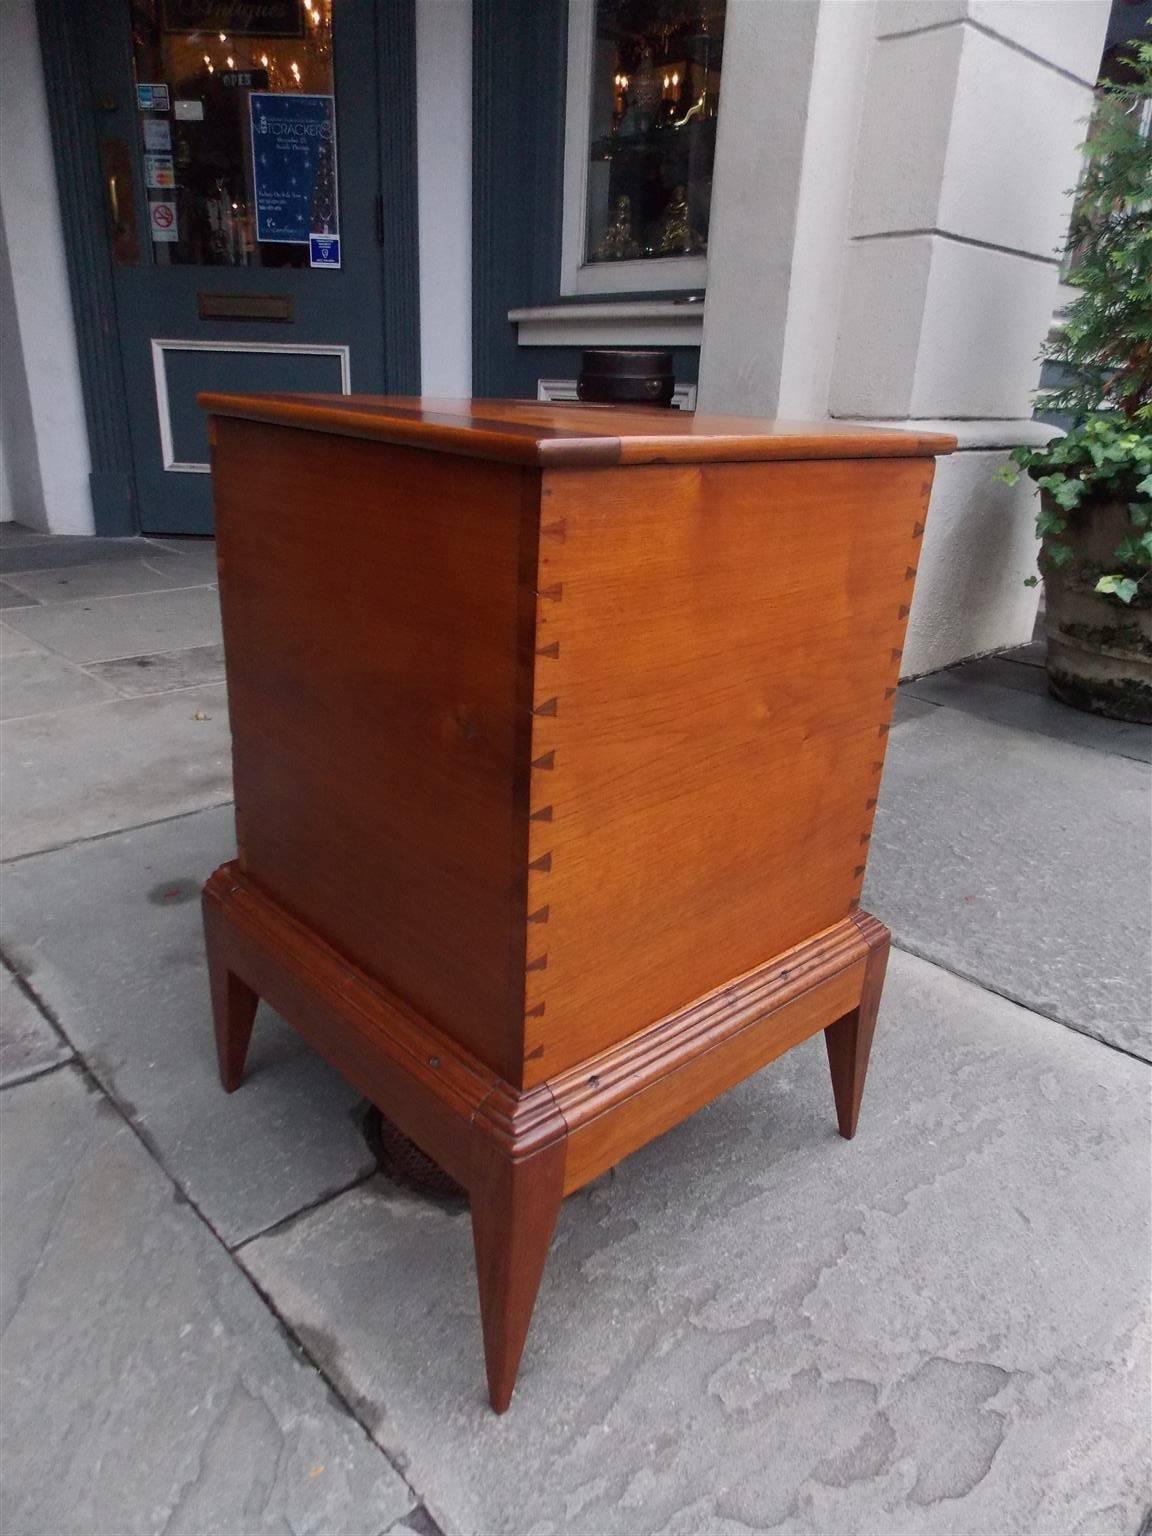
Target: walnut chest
{"points": [[557, 734]]}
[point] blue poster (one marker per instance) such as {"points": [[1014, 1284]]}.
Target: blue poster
{"points": [[294, 167]]}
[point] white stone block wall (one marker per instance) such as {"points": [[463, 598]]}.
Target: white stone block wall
{"points": [[961, 122], [43, 434]]}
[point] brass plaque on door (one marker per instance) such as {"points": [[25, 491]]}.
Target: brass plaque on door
{"points": [[244, 306]]}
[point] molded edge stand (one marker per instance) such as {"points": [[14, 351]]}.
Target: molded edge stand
{"points": [[518, 1153]]}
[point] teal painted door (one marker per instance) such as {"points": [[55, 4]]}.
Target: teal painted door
{"points": [[242, 177]]}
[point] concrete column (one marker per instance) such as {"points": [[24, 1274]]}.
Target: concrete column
{"points": [[43, 435], [920, 286], [444, 194]]}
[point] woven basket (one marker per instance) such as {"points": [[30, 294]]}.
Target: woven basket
{"points": [[405, 1164]]}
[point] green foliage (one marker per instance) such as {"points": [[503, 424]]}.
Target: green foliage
{"points": [[1104, 348]]}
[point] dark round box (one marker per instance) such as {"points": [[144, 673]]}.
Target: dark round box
{"points": [[626, 376]]}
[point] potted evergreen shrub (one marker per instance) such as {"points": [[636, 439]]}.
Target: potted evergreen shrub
{"points": [[1095, 510]]}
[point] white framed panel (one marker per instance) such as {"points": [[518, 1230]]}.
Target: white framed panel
{"points": [[162, 346], [577, 275]]}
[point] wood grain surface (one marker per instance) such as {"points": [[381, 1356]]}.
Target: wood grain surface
{"points": [[716, 662], [374, 630], [530, 432], [557, 741]]}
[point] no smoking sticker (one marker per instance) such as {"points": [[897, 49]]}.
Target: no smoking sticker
{"points": [[162, 218]]}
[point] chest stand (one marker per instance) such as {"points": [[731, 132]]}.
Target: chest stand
{"points": [[519, 1153]]}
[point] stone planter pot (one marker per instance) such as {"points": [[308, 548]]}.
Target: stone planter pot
{"points": [[1099, 649]]}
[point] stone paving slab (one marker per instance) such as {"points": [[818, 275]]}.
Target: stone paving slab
{"points": [[1030, 655], [12, 533], [14, 644], [94, 770], [148, 1391], [138, 675], [108, 935], [36, 683], [197, 556], [103, 628], [50, 552], [105, 578], [28, 1043], [936, 1330], [1023, 863], [11, 598], [1011, 694]]}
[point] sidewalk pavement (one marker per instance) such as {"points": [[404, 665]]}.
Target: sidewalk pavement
{"points": [[218, 1320]]}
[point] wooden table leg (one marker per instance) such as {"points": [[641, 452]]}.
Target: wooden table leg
{"points": [[234, 1003], [849, 1040], [514, 1208]]}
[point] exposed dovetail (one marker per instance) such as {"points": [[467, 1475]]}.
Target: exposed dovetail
{"points": [[554, 594], [918, 531], [546, 762], [540, 916], [865, 837], [896, 655], [888, 692], [903, 611], [882, 730], [877, 767], [870, 804], [547, 708], [554, 530], [552, 650], [535, 1013], [539, 964], [910, 573], [543, 814], [858, 871], [543, 863]]}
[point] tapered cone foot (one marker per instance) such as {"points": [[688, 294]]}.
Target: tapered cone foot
{"points": [[849, 1043], [234, 1006], [514, 1209]]}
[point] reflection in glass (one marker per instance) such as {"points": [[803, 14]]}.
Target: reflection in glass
{"points": [[655, 98], [197, 148]]}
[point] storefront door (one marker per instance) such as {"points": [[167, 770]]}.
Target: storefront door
{"points": [[241, 169]]}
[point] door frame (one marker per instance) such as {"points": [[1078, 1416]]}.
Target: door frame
{"points": [[75, 145]]}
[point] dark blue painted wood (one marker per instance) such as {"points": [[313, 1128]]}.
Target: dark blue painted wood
{"points": [[519, 50], [400, 250], [519, 63], [370, 304], [72, 119]]}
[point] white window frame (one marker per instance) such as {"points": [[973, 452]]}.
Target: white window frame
{"points": [[577, 275]]}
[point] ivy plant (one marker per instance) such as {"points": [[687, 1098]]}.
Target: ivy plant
{"points": [[1104, 347]]}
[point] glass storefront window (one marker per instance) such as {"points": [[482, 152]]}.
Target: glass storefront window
{"points": [[212, 76], [655, 97]]}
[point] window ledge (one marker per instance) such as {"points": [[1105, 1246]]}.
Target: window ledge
{"points": [[640, 323]]}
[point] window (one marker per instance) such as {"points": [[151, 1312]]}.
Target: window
{"points": [[643, 101], [237, 129]]}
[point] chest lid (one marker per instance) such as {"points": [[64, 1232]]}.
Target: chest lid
{"points": [[554, 436]]}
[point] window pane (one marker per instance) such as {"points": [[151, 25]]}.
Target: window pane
{"points": [[198, 65], [655, 98]]}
